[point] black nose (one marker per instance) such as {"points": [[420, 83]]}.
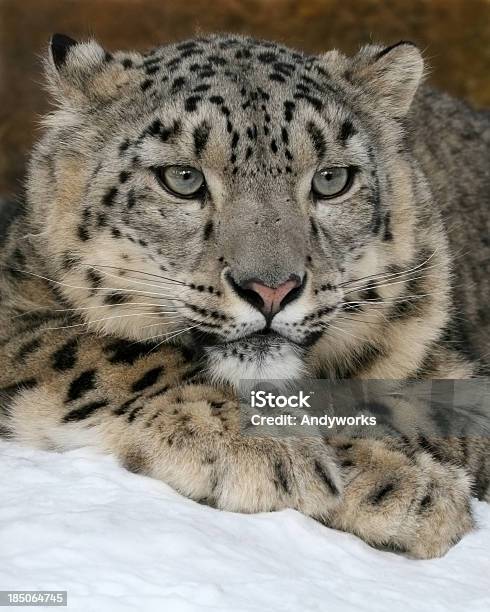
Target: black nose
{"points": [[269, 300]]}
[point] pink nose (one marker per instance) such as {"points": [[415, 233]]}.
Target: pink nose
{"points": [[272, 297]]}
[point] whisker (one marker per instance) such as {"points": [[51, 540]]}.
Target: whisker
{"points": [[403, 278], [90, 289], [131, 304], [354, 289], [394, 300], [182, 331], [171, 280], [388, 275], [86, 323], [329, 325], [355, 320], [172, 322], [79, 265], [409, 278], [134, 278], [136, 282], [83, 308]]}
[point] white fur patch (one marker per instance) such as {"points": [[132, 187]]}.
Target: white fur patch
{"points": [[277, 363]]}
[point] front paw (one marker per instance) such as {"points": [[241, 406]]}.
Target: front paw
{"points": [[411, 504]]}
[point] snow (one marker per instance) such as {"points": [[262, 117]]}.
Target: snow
{"points": [[117, 541]]}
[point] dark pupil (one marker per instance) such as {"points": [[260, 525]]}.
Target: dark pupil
{"points": [[185, 175], [328, 176]]}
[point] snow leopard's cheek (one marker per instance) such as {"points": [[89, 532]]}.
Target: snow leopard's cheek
{"points": [[127, 218]]}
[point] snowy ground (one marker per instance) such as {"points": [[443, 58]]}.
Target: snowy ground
{"points": [[116, 541]]}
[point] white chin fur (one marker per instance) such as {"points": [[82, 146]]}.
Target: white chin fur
{"points": [[277, 363]]}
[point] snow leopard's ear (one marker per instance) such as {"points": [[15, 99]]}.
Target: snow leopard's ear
{"points": [[79, 72], [389, 76]]}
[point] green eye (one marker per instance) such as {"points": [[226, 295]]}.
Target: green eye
{"points": [[330, 182], [183, 181]]}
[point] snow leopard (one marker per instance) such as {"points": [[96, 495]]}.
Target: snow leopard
{"points": [[226, 208]]}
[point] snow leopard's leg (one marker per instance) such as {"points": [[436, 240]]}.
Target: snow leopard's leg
{"points": [[65, 390]]}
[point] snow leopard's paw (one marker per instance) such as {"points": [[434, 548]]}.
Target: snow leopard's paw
{"points": [[412, 504]]}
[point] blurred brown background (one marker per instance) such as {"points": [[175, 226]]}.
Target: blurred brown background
{"points": [[454, 34]]}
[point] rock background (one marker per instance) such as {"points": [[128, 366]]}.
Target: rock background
{"points": [[454, 35]]}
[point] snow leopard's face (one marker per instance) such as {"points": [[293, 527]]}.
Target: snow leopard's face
{"points": [[224, 190]]}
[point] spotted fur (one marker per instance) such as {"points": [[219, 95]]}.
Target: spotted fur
{"points": [[125, 321]]}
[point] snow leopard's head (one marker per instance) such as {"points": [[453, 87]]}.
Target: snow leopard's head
{"points": [[226, 191]]}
